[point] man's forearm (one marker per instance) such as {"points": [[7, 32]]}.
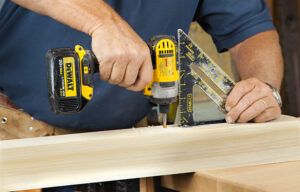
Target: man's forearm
{"points": [[260, 57], [259, 61], [83, 15]]}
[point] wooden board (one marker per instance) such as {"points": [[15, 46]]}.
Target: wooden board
{"points": [[271, 6], [281, 177], [147, 184], [134, 153]]}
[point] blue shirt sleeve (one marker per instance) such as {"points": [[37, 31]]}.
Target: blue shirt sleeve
{"points": [[229, 22]]}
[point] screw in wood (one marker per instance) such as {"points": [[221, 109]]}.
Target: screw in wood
{"points": [[4, 120]]}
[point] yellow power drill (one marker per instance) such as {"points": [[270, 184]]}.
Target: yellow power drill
{"points": [[164, 87], [70, 73]]}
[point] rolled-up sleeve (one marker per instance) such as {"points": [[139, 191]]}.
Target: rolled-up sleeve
{"points": [[230, 22]]}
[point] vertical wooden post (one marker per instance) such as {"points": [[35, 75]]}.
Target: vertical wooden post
{"points": [[147, 184], [271, 6], [287, 22]]}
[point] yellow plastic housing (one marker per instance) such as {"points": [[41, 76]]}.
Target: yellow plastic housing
{"points": [[86, 91], [164, 62]]}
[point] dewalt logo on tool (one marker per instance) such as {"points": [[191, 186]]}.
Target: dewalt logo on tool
{"points": [[190, 102], [69, 74], [69, 77]]}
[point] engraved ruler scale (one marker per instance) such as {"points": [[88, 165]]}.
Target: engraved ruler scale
{"points": [[190, 57]]}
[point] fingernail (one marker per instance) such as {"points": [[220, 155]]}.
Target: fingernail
{"points": [[229, 120], [227, 108]]}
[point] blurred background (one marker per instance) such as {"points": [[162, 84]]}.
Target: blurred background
{"points": [[286, 18]]}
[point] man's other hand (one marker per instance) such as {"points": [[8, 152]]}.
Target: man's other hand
{"points": [[249, 100], [123, 56]]}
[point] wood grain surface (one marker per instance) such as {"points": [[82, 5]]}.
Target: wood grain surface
{"points": [[144, 152], [279, 177]]}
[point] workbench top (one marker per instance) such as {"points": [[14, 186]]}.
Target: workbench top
{"points": [[279, 177]]}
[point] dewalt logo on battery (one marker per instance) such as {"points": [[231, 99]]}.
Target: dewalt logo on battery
{"points": [[69, 77]]}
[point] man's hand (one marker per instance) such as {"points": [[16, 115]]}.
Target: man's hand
{"points": [[251, 99], [258, 59], [123, 56]]}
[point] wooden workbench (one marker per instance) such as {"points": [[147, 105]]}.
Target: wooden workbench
{"points": [[280, 177], [276, 177]]}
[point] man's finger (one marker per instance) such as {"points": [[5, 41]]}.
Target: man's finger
{"points": [[131, 75], [245, 102], [118, 72], [239, 90], [105, 69], [268, 115], [255, 109], [145, 76]]}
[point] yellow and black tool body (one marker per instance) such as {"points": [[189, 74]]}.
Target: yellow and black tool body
{"points": [[70, 78], [192, 56], [163, 90], [70, 73]]}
